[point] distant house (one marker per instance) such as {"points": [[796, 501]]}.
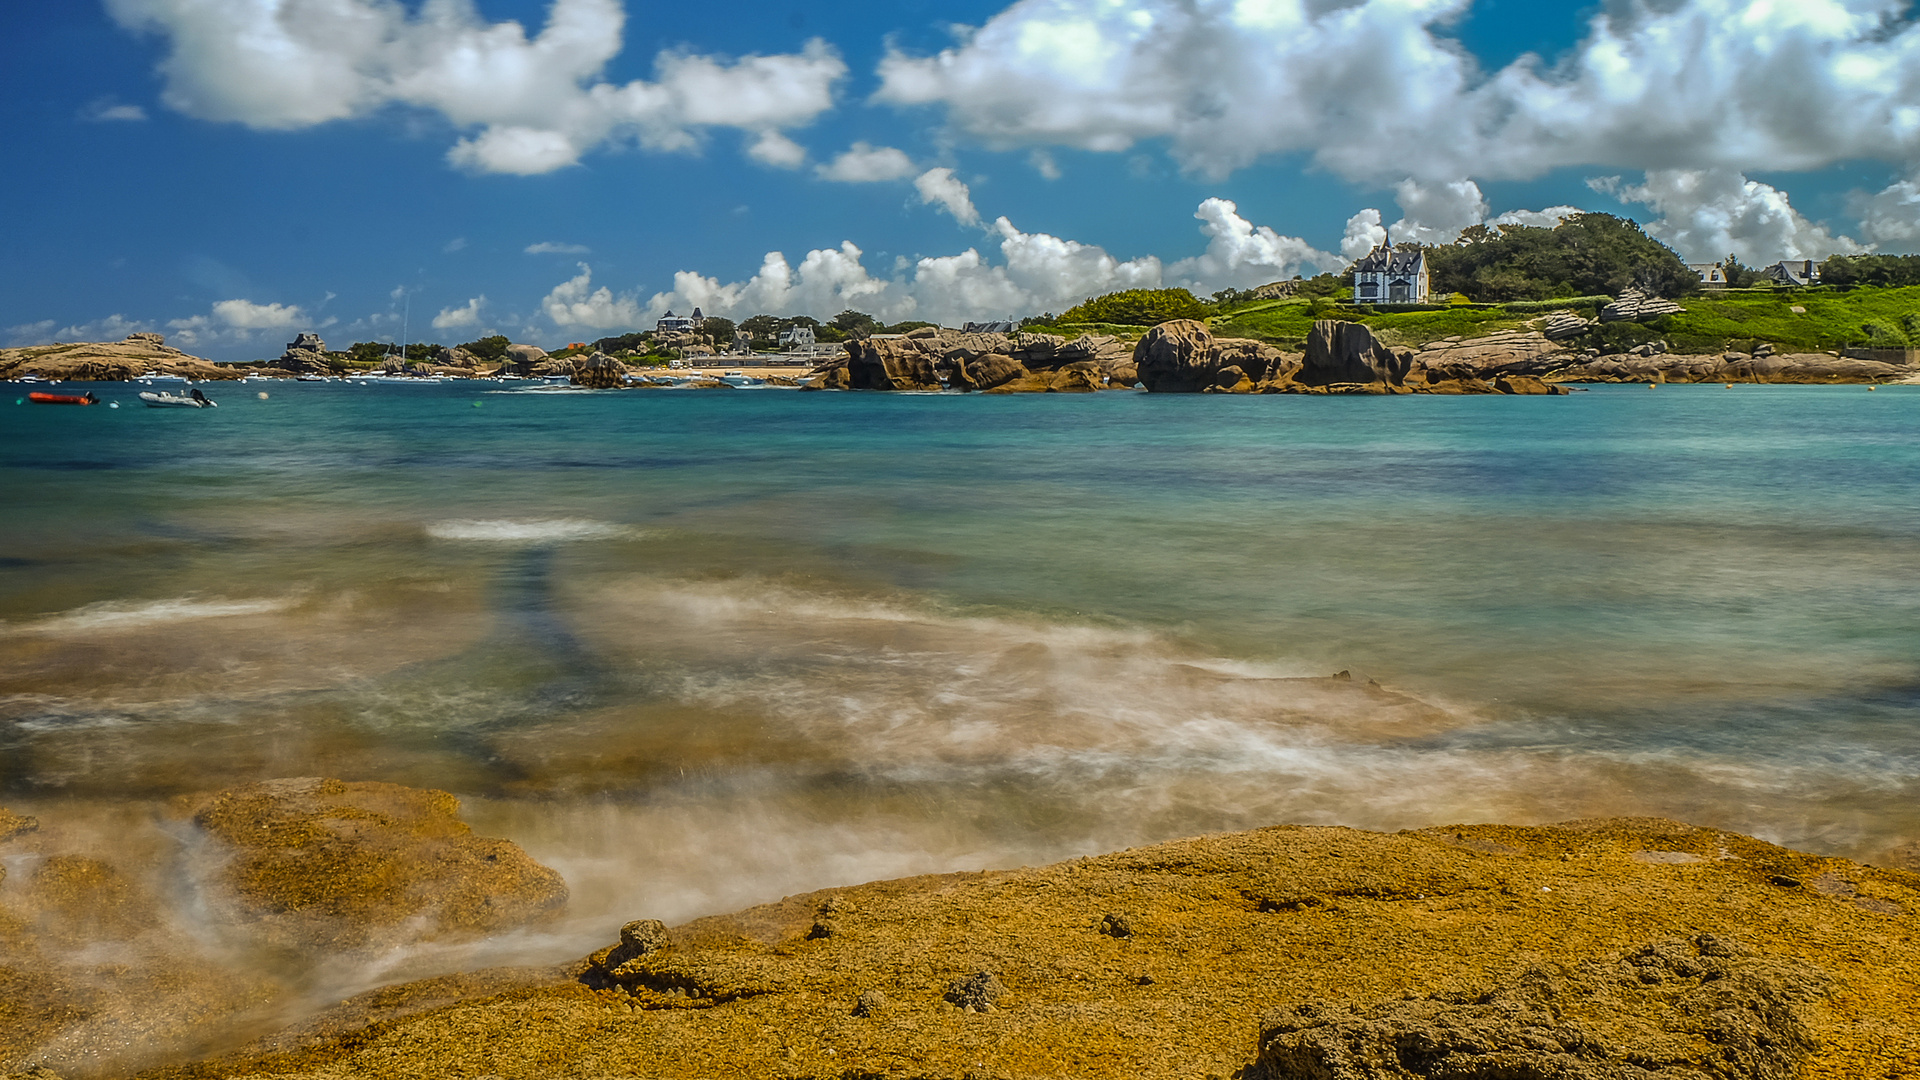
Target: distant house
{"points": [[1386, 276], [1712, 275], [678, 324], [1794, 272], [800, 336]]}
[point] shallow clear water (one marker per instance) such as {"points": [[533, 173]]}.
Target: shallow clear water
{"points": [[701, 649]]}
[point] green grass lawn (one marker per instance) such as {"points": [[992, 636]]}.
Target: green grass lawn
{"points": [[1712, 321]]}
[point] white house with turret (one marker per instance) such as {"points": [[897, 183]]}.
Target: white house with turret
{"points": [[1386, 276]]}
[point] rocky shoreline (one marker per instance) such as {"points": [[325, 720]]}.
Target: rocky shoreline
{"points": [[1619, 948], [1175, 357]]}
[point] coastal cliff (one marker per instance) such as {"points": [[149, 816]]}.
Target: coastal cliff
{"points": [[1619, 948]]}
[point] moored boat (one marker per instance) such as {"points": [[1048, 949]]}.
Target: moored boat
{"points": [[192, 399], [41, 397]]}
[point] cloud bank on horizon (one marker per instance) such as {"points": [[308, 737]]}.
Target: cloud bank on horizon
{"points": [[1693, 95]]}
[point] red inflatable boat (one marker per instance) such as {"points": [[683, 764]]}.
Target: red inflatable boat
{"points": [[40, 397]]}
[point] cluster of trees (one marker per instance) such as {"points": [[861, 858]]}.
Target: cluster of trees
{"points": [[1887, 271], [1585, 255]]}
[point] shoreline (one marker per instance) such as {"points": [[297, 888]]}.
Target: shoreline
{"points": [[1199, 956]]}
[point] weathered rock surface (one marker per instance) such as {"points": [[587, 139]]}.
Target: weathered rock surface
{"points": [[1756, 367], [1347, 352], [321, 863], [889, 365], [1696, 1007], [1635, 304], [1596, 950], [522, 359], [984, 373], [12, 825], [1183, 357], [598, 372], [454, 356], [109, 361]]}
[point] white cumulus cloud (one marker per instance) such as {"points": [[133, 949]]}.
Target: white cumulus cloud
{"points": [[1374, 90], [533, 103], [1241, 254], [106, 110], [865, 164], [576, 304], [1891, 218], [774, 148], [1364, 233], [549, 247], [455, 318], [1706, 214], [939, 187], [1034, 272]]}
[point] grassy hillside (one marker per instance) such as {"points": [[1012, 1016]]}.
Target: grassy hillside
{"points": [[1829, 319]]}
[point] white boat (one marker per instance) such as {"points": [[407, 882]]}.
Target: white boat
{"points": [[192, 399], [162, 377]]}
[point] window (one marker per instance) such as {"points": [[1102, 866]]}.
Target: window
{"points": [[1369, 290]]}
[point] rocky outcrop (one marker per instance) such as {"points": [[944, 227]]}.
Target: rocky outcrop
{"points": [[1183, 357], [598, 372], [1565, 324], [1509, 352], [984, 373], [890, 364], [1347, 352], [453, 356], [1646, 365], [1619, 949], [109, 361], [1636, 305], [1690, 1007], [306, 354], [318, 863], [523, 359]]}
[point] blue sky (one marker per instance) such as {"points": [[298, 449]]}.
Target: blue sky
{"points": [[231, 172]]}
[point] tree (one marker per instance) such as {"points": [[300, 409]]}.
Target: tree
{"points": [[1739, 275], [491, 350], [1584, 255], [623, 342], [369, 352], [1884, 270], [718, 330], [857, 324]]}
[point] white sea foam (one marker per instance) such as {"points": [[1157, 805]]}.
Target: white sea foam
{"points": [[121, 615], [544, 531]]}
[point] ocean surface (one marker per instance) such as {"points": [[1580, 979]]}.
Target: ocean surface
{"points": [[702, 649]]}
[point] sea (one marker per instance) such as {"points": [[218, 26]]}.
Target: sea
{"points": [[700, 649]]}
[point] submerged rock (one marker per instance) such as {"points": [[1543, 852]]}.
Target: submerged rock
{"points": [[318, 863]]}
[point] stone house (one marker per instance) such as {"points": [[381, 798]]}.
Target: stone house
{"points": [[1793, 272]]}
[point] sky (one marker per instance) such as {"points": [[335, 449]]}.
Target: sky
{"points": [[230, 173]]}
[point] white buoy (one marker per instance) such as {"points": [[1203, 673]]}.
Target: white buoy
{"points": [[115, 404], [263, 395]]}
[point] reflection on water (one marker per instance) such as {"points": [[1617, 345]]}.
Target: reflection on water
{"points": [[792, 641]]}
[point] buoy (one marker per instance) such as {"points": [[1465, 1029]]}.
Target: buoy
{"points": [[1729, 386], [115, 404], [476, 404], [263, 395], [1869, 388]]}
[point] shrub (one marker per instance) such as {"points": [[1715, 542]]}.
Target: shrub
{"points": [[1137, 307]]}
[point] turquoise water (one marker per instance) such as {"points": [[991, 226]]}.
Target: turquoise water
{"points": [[698, 649]]}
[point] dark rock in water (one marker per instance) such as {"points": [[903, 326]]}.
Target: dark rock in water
{"points": [[1345, 352], [985, 372], [599, 372], [1695, 1009], [323, 863], [889, 365], [976, 993]]}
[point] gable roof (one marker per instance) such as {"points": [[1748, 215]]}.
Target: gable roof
{"points": [[1385, 260]]}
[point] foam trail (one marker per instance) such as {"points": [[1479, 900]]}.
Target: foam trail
{"points": [[120, 615], [547, 531]]}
